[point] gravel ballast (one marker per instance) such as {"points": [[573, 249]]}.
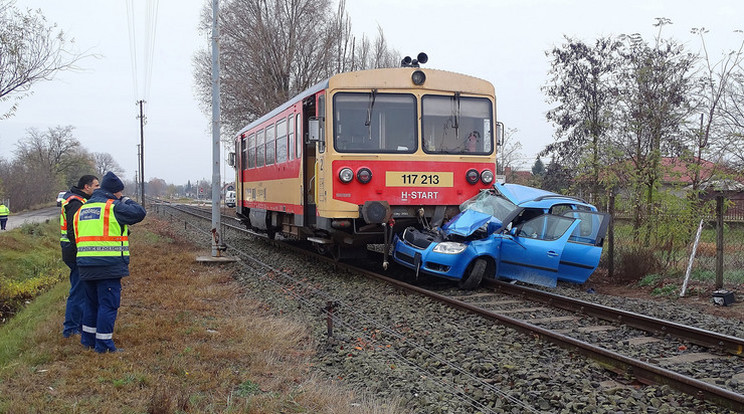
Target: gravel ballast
{"points": [[436, 359]]}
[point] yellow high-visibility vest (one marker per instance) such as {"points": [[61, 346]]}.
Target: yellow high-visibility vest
{"points": [[63, 217], [98, 234], [4, 211]]}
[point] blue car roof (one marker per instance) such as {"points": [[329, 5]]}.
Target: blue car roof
{"points": [[524, 196]]}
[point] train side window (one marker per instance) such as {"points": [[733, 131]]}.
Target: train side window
{"points": [[270, 145], [298, 133], [251, 150], [260, 148], [290, 137], [281, 141]]}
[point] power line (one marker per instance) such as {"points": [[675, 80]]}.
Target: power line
{"points": [[132, 45], [143, 53]]}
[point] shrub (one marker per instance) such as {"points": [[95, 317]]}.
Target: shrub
{"points": [[635, 264]]}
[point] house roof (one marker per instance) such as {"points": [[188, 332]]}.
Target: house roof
{"points": [[680, 171]]}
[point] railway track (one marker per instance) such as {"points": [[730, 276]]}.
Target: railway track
{"points": [[613, 337]]}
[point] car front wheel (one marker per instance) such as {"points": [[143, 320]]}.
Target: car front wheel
{"points": [[473, 275]]}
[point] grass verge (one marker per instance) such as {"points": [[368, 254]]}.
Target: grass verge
{"points": [[194, 342], [29, 265]]}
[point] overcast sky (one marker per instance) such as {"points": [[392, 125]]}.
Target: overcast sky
{"points": [[502, 41]]}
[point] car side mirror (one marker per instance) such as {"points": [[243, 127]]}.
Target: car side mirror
{"points": [[514, 231], [231, 159]]}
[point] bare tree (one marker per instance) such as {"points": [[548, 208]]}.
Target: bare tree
{"points": [[48, 161], [731, 109], [270, 50], [48, 149], [508, 154], [716, 81], [31, 50], [106, 162], [157, 187]]}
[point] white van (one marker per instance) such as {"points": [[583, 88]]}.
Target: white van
{"points": [[230, 199]]}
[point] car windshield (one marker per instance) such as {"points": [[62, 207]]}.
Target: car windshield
{"points": [[489, 202]]}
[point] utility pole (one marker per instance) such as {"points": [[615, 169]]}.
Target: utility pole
{"points": [[217, 245], [141, 117], [136, 174]]}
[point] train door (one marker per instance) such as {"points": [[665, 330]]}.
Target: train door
{"points": [[308, 162], [241, 155]]}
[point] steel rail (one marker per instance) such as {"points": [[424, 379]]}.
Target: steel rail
{"points": [[702, 337], [644, 372]]}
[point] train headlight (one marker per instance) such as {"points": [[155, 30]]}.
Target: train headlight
{"points": [[364, 175], [449, 248], [487, 176], [472, 176], [418, 77], [346, 175]]}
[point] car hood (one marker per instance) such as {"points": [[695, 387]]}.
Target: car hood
{"points": [[467, 222]]}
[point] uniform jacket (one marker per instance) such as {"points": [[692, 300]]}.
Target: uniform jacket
{"points": [[69, 250], [126, 212]]}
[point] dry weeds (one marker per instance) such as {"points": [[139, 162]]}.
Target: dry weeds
{"points": [[193, 342]]}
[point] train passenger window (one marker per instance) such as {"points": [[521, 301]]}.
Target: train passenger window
{"points": [[281, 141], [457, 125], [290, 136], [374, 122], [270, 145], [300, 137], [260, 148], [251, 151]]}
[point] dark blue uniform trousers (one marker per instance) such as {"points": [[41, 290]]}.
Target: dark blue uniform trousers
{"points": [[75, 301], [99, 313]]}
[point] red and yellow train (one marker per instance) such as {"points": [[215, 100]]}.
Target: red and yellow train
{"points": [[363, 154]]}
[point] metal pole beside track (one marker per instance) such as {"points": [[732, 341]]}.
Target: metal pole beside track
{"points": [[216, 187]]}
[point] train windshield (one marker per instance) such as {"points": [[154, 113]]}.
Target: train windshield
{"points": [[374, 122], [457, 125]]}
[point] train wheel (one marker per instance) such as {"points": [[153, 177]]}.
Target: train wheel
{"points": [[473, 276]]}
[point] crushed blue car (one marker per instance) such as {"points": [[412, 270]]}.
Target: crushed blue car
{"points": [[510, 232]]}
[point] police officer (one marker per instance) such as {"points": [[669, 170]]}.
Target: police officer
{"points": [[73, 200], [4, 212], [102, 235]]}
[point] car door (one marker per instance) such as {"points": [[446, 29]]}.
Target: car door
{"points": [[584, 247], [532, 252]]}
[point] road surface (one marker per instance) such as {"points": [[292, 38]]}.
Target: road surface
{"points": [[36, 216]]}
